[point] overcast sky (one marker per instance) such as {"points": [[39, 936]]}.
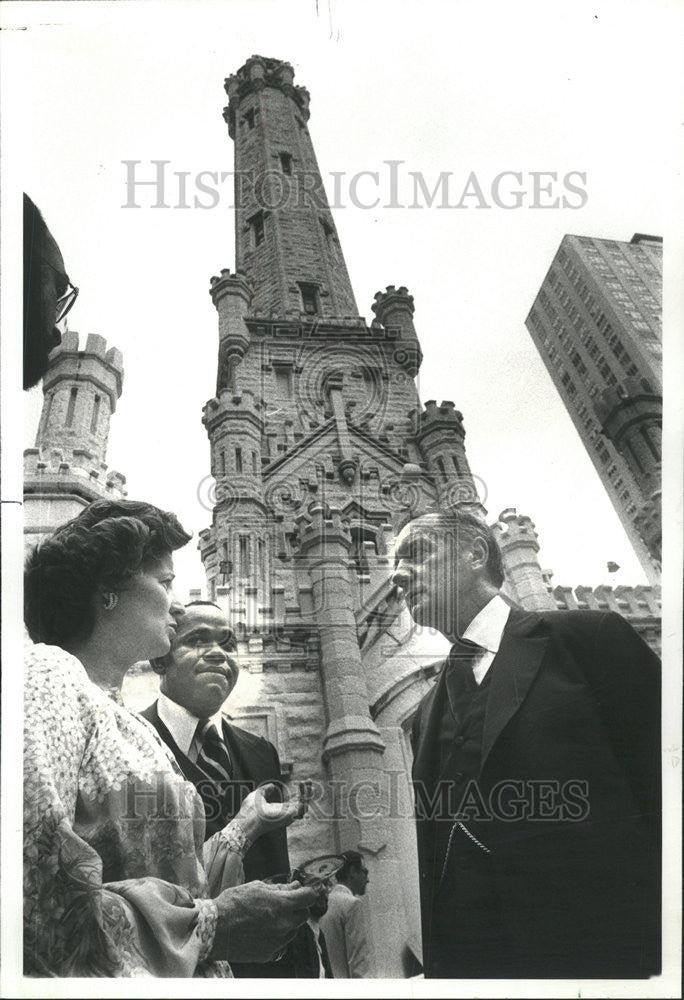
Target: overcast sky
{"points": [[444, 87]]}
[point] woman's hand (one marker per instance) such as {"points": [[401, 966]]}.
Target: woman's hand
{"points": [[262, 810], [255, 921]]}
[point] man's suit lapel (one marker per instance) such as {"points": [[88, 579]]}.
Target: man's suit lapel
{"points": [[512, 672], [251, 762], [426, 760]]}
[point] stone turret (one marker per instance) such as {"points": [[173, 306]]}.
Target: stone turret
{"points": [[441, 438], [631, 415], [519, 544], [232, 297], [394, 310], [67, 469], [80, 391]]}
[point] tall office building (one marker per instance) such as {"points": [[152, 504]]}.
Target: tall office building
{"points": [[596, 322]]}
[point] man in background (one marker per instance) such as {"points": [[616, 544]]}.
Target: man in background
{"points": [[223, 761], [345, 925], [307, 954], [48, 294]]}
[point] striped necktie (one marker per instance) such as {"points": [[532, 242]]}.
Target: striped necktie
{"points": [[213, 758]]}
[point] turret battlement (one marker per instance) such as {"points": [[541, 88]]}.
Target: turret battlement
{"points": [[229, 284], [392, 298], [445, 413], [321, 522], [513, 527], [630, 602], [256, 74], [94, 363], [230, 405], [394, 308], [80, 469]]}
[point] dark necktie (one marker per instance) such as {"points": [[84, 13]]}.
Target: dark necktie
{"points": [[213, 758], [460, 679]]}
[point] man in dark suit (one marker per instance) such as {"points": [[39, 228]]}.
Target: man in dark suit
{"points": [[307, 953], [224, 762], [536, 775]]}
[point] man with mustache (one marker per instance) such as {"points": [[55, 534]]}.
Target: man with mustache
{"points": [[224, 762]]}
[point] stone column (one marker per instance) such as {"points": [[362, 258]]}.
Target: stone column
{"points": [[353, 749]]}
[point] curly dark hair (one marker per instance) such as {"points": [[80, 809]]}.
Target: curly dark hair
{"points": [[98, 551]]}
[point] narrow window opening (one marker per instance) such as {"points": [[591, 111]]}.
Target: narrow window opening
{"points": [[309, 298], [238, 459], [48, 410], [96, 413], [256, 223], [244, 555], [249, 118], [283, 377], [286, 163], [71, 407]]}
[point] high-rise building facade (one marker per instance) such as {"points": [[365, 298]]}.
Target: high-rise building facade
{"points": [[67, 468], [596, 322]]}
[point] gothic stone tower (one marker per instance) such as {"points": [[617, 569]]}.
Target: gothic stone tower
{"points": [[319, 448], [67, 468]]}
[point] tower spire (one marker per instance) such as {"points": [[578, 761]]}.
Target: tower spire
{"points": [[286, 243]]}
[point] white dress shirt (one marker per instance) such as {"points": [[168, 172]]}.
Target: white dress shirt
{"points": [[486, 629], [316, 929], [183, 726], [347, 935]]}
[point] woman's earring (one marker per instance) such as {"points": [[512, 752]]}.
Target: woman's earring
{"points": [[110, 601]]}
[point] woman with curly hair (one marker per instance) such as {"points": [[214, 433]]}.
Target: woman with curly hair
{"points": [[114, 878]]}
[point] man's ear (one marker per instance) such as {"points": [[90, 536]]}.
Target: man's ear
{"points": [[479, 553]]}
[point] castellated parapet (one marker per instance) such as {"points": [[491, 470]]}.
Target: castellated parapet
{"points": [[441, 438], [631, 415], [256, 74], [519, 544], [67, 468], [394, 310], [232, 297], [81, 388]]}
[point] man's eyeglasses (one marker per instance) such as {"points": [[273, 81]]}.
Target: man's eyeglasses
{"points": [[68, 296], [65, 302]]}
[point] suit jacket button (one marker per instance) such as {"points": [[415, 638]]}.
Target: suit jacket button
{"points": [[459, 741]]}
